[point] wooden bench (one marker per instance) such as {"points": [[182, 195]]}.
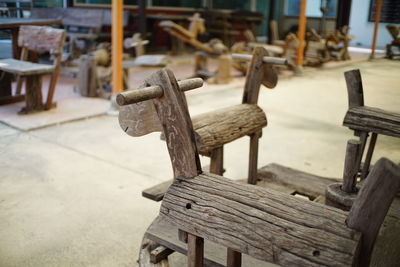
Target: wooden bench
{"points": [[36, 39], [262, 223]]}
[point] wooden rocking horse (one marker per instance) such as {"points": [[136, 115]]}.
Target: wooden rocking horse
{"points": [[262, 223]]}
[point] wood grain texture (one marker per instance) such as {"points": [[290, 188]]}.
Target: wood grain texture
{"points": [[354, 88], [41, 39], [372, 204], [216, 128], [177, 126], [267, 225], [374, 120]]}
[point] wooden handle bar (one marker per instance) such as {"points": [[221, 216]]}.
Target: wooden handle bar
{"points": [[143, 94], [270, 60]]}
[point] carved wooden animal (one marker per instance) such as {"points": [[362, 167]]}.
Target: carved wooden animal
{"points": [[394, 31], [216, 128], [262, 223], [213, 49], [37, 39]]}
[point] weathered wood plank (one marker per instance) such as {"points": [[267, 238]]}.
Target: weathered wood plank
{"points": [[267, 225], [296, 180], [157, 192], [24, 67], [373, 120], [372, 204], [216, 128]]}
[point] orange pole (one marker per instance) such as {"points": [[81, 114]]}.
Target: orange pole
{"points": [[117, 39], [301, 33], [377, 18]]}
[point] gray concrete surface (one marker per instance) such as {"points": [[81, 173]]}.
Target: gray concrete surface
{"points": [[70, 195]]}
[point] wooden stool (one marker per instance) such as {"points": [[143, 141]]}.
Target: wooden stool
{"points": [[265, 224]]}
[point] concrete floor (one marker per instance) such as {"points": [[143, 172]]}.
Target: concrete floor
{"points": [[70, 195]]}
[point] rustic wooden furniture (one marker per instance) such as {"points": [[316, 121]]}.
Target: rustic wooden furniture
{"points": [[364, 120], [394, 31], [216, 128], [12, 25], [337, 43], [82, 25], [38, 39], [213, 49], [262, 223]]}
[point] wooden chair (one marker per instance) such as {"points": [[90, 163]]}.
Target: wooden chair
{"points": [[36, 39], [262, 223], [216, 128]]}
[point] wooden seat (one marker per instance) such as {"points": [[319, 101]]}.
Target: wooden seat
{"points": [[217, 128], [24, 68], [36, 39], [262, 223]]}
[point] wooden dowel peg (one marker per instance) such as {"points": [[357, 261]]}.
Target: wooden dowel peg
{"points": [[270, 60], [143, 94]]}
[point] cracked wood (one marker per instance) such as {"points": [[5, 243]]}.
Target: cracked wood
{"points": [[262, 223]]}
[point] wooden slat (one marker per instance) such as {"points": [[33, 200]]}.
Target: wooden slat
{"points": [[216, 128], [296, 180], [24, 68], [157, 192], [374, 120], [267, 225]]}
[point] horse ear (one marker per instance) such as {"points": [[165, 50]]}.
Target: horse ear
{"points": [[139, 119], [270, 76]]}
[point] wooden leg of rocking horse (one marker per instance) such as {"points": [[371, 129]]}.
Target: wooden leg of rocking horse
{"points": [[195, 252], [253, 158], [234, 258], [217, 161]]}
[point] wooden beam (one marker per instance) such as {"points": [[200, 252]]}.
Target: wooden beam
{"points": [[117, 42], [377, 17], [301, 33]]}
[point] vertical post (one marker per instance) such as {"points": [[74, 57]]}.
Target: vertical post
{"points": [[377, 18], [142, 18], [117, 36], [350, 163], [301, 36], [195, 252]]}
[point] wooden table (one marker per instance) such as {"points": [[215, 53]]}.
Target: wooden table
{"points": [[13, 25]]}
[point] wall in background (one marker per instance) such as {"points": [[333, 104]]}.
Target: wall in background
{"points": [[362, 29]]}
